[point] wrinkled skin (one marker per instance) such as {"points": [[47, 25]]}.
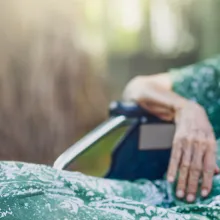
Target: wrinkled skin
{"points": [[193, 153], [194, 145]]}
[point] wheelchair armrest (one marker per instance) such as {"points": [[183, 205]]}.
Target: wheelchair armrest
{"points": [[132, 110], [120, 112]]}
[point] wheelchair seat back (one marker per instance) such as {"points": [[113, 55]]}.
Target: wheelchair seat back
{"points": [[129, 162]]}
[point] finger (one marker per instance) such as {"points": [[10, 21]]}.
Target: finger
{"points": [[174, 161], [208, 172], [183, 174], [194, 172]]}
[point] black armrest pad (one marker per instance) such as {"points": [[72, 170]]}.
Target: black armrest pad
{"points": [[132, 110]]}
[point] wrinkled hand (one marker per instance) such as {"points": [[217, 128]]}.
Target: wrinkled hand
{"points": [[193, 152], [194, 146]]}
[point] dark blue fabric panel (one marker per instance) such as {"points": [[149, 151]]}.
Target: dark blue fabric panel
{"points": [[130, 163]]}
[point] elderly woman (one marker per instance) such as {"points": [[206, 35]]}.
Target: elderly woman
{"points": [[190, 97]]}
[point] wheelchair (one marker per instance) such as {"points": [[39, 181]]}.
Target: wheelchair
{"points": [[142, 153]]}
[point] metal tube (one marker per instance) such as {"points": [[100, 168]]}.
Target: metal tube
{"points": [[84, 144]]}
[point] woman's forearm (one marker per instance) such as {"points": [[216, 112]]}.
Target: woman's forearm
{"points": [[155, 94]]}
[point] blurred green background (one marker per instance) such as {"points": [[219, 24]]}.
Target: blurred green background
{"points": [[62, 62]]}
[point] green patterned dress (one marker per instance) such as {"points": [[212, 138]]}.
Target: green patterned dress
{"points": [[37, 192]]}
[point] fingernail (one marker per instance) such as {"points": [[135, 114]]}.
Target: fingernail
{"points": [[180, 194], [170, 179], [204, 192], [190, 198]]}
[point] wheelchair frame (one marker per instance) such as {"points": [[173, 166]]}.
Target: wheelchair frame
{"points": [[120, 114]]}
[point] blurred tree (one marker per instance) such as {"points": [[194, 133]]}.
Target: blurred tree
{"points": [[208, 21], [49, 94]]}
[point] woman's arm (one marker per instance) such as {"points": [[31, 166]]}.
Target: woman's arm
{"points": [[154, 93], [194, 145]]}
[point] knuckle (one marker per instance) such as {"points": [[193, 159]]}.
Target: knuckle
{"points": [[209, 170], [184, 139], [187, 150], [195, 140], [188, 140], [207, 184], [181, 184], [175, 157], [206, 180], [202, 141], [195, 169], [170, 173], [192, 188], [200, 145], [174, 161], [193, 183], [182, 179], [177, 143], [194, 178], [212, 149], [209, 166], [211, 142], [185, 164], [184, 172], [171, 170]]}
